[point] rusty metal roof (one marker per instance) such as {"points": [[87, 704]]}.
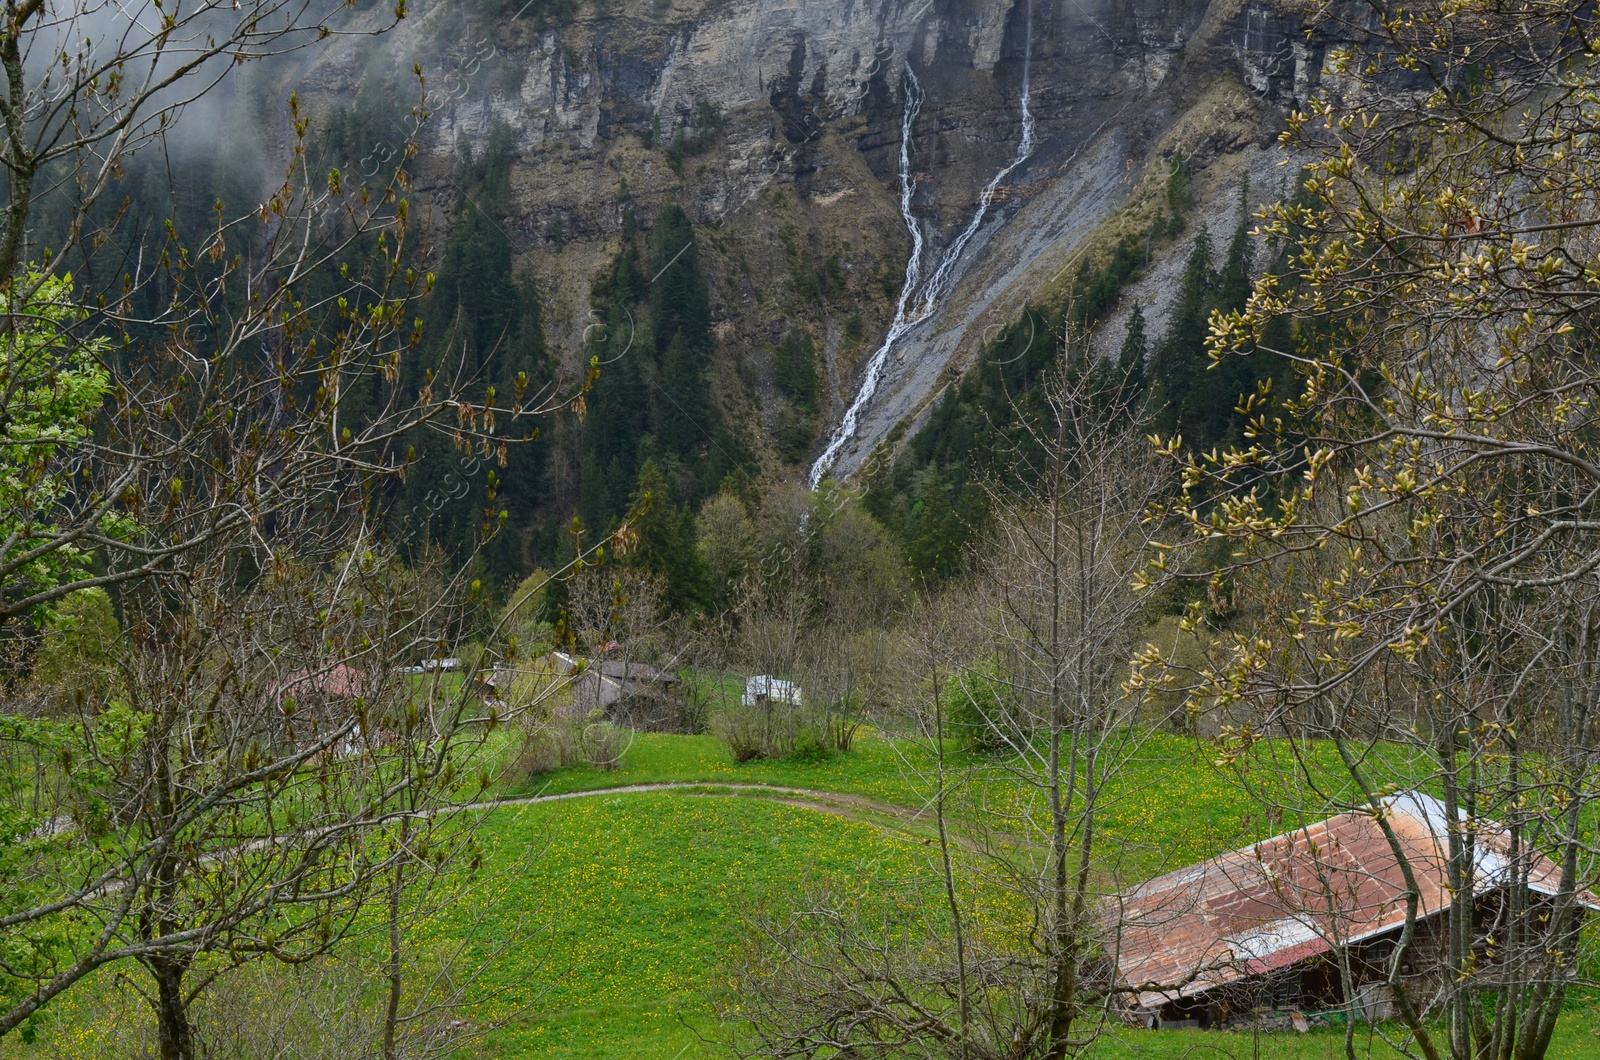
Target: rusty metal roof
{"points": [[342, 680], [1297, 895]]}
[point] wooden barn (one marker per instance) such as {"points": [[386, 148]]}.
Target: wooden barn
{"points": [[628, 692], [1259, 928]]}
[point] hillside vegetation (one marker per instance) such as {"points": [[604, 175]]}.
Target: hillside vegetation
{"points": [[988, 530], [625, 911]]}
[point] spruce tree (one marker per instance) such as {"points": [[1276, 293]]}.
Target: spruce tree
{"points": [[679, 300], [684, 402], [1201, 401], [1236, 374], [1180, 363], [684, 417], [938, 534], [665, 542], [1233, 282], [794, 371], [619, 414], [1135, 348]]}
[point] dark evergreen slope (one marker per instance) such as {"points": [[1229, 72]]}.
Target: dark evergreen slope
{"points": [[650, 428], [485, 326]]}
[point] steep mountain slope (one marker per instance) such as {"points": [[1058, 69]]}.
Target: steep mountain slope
{"points": [[778, 126]]}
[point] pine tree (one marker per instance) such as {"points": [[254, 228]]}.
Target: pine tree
{"points": [[1233, 282], [1199, 400], [1180, 362], [684, 416], [1177, 192], [618, 419], [665, 542], [1135, 348], [794, 371], [684, 400], [935, 547], [1237, 375], [679, 300]]}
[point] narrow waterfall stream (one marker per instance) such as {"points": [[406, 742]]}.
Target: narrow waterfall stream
{"points": [[904, 319], [917, 299]]}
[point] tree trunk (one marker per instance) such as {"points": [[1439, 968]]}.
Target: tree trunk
{"points": [[391, 1020], [1060, 804], [949, 869], [175, 1037]]}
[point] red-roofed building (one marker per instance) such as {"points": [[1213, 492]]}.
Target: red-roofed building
{"points": [[341, 681], [1258, 926]]}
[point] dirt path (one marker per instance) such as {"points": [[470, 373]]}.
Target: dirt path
{"points": [[856, 808], [714, 786]]}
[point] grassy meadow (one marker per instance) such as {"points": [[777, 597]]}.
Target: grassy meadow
{"points": [[606, 925]]}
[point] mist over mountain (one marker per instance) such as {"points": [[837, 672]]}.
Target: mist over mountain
{"points": [[873, 193]]}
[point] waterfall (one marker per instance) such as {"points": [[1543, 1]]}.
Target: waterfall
{"points": [[917, 300], [903, 319], [952, 254]]}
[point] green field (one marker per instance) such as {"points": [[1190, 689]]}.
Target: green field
{"points": [[638, 900], [1171, 805], [606, 925]]}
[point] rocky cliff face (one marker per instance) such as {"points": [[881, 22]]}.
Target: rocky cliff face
{"points": [[777, 124]]}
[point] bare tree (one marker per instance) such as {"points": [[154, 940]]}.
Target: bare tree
{"points": [[89, 82], [218, 805], [1495, 714], [843, 678], [1035, 654], [1427, 493], [265, 773], [326, 1008], [1058, 610]]}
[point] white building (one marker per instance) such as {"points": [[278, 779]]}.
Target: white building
{"points": [[764, 688]]}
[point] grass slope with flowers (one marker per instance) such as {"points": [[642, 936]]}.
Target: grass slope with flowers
{"points": [[604, 926], [643, 894]]}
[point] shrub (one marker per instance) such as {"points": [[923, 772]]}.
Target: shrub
{"points": [[766, 731], [525, 616], [76, 649], [744, 732], [694, 706], [980, 709], [841, 723], [544, 749], [810, 745], [593, 741], [601, 743]]}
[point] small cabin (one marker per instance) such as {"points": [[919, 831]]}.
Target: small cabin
{"points": [[341, 682], [605, 683], [314, 699], [764, 688], [631, 693]]}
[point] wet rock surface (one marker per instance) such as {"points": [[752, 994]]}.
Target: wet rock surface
{"points": [[809, 98]]}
